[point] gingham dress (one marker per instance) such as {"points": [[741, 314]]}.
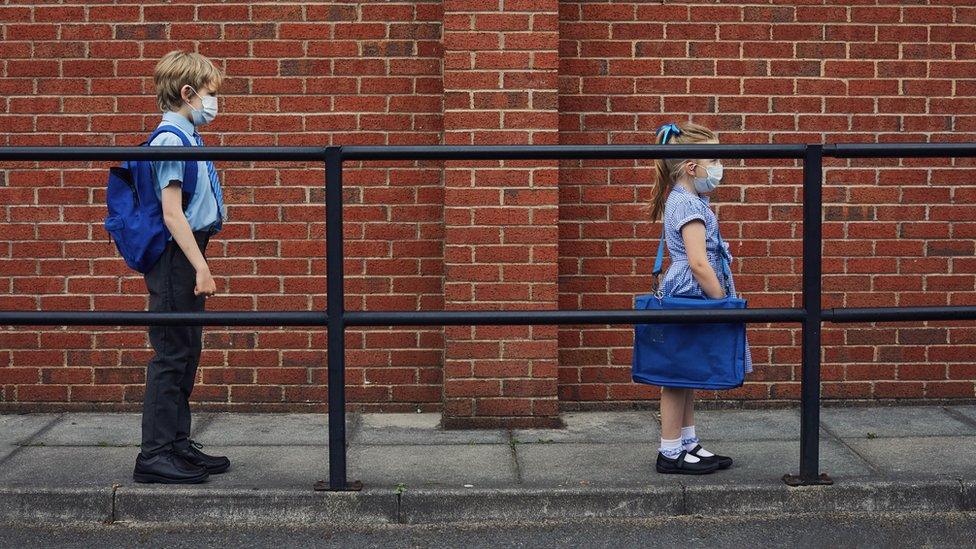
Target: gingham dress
{"points": [[681, 207]]}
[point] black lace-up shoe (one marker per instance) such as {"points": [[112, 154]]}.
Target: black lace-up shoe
{"points": [[213, 464], [679, 466], [724, 462], [167, 467]]}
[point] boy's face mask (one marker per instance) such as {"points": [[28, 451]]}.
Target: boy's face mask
{"points": [[711, 180], [205, 115]]}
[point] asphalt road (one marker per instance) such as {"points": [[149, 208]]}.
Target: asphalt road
{"points": [[807, 530]]}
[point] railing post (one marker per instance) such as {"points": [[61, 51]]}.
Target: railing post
{"points": [[336, 325], [810, 377]]}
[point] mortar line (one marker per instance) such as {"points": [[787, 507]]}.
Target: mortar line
{"points": [[43, 429], [514, 453], [684, 498], [203, 423], [959, 416], [115, 489], [355, 426], [874, 468]]}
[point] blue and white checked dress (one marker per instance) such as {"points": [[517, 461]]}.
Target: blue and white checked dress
{"points": [[681, 207]]}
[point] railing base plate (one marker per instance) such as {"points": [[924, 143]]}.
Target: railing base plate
{"points": [[796, 480], [354, 486]]}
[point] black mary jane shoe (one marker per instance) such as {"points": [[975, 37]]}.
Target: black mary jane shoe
{"points": [[213, 464], [679, 466], [724, 462]]}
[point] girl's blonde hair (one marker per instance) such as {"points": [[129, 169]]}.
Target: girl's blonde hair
{"points": [[667, 170], [177, 69]]}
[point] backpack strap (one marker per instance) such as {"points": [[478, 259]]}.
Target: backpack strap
{"points": [[189, 185], [658, 262]]}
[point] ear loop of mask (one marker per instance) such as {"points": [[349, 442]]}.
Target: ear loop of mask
{"points": [[187, 101]]}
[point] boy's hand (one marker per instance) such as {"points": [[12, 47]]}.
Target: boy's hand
{"points": [[205, 284]]}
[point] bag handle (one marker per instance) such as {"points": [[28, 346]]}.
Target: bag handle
{"points": [[659, 261]]}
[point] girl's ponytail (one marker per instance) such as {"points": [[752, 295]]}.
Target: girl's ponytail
{"points": [[662, 171]]}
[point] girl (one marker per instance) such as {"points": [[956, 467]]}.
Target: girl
{"points": [[691, 235]]}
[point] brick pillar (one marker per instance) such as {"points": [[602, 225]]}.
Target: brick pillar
{"points": [[500, 218]]}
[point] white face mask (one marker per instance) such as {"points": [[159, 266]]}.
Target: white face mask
{"points": [[713, 178], [205, 115]]}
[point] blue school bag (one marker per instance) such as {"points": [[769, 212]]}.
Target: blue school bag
{"points": [[697, 356], [135, 214]]}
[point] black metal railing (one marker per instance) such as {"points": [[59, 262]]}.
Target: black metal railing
{"points": [[810, 316]]}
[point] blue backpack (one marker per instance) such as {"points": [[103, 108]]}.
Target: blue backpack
{"points": [[135, 214]]}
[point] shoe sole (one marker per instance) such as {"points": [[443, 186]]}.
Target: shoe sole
{"points": [[218, 470], [150, 478], [721, 466], [724, 466], [686, 471]]}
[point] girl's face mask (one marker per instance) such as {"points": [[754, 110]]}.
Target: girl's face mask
{"points": [[206, 114], [711, 180]]}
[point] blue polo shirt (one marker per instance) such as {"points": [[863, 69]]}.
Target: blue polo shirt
{"points": [[202, 210]]}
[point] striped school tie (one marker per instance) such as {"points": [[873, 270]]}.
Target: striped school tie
{"points": [[214, 185]]}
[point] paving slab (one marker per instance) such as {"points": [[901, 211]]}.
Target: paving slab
{"points": [[570, 464], [893, 421], [238, 429], [736, 425], [443, 465], [93, 429], [968, 411], [921, 456], [596, 427], [766, 461], [419, 429], [17, 429], [68, 466]]}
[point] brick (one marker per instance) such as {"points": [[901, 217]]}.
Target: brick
{"points": [[140, 32]]}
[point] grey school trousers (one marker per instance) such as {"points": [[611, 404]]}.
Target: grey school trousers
{"points": [[171, 372]]}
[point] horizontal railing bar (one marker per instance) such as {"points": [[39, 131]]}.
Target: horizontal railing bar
{"points": [[498, 318], [899, 150], [487, 152], [142, 318], [255, 154], [887, 314], [566, 152], [427, 318]]}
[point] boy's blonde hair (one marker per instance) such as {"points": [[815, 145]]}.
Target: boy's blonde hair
{"points": [[177, 69], [668, 170]]}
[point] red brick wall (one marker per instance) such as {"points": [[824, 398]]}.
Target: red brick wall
{"points": [[898, 232], [501, 218], [297, 74]]}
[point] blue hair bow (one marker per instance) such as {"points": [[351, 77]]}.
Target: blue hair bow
{"points": [[669, 130]]}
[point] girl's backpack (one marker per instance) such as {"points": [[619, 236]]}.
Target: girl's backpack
{"points": [[135, 214]]}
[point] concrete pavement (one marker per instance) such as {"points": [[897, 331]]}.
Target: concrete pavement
{"points": [[78, 466]]}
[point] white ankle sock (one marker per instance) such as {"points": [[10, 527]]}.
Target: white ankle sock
{"points": [[671, 448], [689, 441]]}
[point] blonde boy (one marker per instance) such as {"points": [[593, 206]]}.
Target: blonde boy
{"points": [[186, 92]]}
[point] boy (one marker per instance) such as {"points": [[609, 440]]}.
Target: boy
{"points": [[186, 91]]}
